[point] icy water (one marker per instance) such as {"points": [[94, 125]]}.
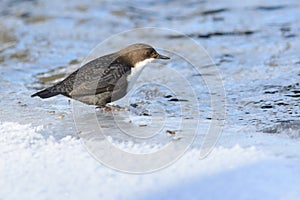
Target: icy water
{"points": [[255, 46], [257, 55]]}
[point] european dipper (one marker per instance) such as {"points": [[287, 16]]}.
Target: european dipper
{"points": [[105, 79]]}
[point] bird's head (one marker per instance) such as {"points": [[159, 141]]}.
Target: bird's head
{"points": [[140, 54]]}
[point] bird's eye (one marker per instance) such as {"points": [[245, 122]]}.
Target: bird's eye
{"points": [[154, 54]]}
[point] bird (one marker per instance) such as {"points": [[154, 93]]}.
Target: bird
{"points": [[105, 79]]}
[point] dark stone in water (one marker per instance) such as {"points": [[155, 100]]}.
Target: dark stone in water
{"points": [[290, 36], [270, 8], [25, 15], [214, 34], [145, 113], [293, 95], [282, 104], [296, 91], [210, 12], [266, 107], [233, 33], [168, 96], [134, 105], [285, 29], [271, 92], [175, 99]]}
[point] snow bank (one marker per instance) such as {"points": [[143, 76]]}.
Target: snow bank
{"points": [[33, 166]]}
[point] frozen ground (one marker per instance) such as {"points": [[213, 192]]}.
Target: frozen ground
{"points": [[255, 45]]}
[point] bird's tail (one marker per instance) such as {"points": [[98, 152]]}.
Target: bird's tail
{"points": [[48, 92]]}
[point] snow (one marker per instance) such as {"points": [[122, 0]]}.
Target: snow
{"points": [[266, 179], [33, 166]]}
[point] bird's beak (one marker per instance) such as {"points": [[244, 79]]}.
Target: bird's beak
{"points": [[162, 57]]}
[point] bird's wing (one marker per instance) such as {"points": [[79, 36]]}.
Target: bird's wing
{"points": [[87, 73], [112, 78]]}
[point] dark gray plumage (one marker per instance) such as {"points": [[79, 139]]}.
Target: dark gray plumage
{"points": [[104, 79]]}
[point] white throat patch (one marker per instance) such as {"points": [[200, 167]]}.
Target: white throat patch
{"points": [[136, 71], [143, 63]]}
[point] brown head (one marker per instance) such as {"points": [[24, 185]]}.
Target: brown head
{"points": [[137, 53]]}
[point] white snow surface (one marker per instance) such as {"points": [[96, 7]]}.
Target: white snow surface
{"points": [[33, 167]]}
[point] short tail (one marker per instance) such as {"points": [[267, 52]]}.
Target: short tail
{"points": [[46, 93]]}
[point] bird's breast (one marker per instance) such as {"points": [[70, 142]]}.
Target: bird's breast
{"points": [[135, 72]]}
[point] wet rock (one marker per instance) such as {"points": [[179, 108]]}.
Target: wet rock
{"points": [[290, 35], [267, 107], [211, 12], [293, 95], [134, 105], [282, 104], [168, 96], [271, 92], [285, 29], [145, 113], [176, 99], [270, 8], [233, 33], [296, 91], [215, 34], [25, 15], [171, 132]]}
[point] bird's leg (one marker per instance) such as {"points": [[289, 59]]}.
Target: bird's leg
{"points": [[99, 107]]}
